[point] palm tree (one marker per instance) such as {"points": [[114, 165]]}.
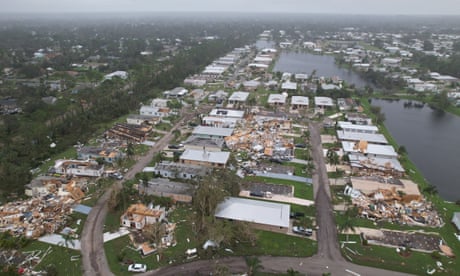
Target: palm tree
{"points": [[253, 264], [67, 241], [347, 224], [130, 150]]}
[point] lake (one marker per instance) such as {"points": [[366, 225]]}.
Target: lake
{"points": [[302, 62], [432, 140]]}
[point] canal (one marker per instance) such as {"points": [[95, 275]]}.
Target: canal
{"points": [[323, 65], [432, 140]]}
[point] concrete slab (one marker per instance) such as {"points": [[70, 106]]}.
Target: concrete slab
{"points": [[59, 241]]}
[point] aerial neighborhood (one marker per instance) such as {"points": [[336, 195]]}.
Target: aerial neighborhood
{"points": [[238, 158]]}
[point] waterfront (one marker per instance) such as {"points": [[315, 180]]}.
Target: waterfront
{"points": [[324, 65], [431, 139]]}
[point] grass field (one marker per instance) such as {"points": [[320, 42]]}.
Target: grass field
{"points": [[301, 190], [59, 257]]}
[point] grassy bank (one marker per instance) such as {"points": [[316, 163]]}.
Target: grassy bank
{"points": [[445, 209]]}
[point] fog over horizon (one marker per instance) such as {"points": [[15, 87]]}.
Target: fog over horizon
{"points": [[364, 7]]}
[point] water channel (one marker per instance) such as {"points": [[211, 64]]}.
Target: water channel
{"points": [[432, 140], [324, 65], [431, 137]]}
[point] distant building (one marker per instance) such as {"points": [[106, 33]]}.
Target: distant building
{"points": [[178, 92]]}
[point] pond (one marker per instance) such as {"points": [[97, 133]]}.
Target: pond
{"points": [[324, 65], [432, 140]]}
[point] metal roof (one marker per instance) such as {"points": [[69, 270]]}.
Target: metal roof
{"points": [[218, 157], [212, 131], [262, 212]]}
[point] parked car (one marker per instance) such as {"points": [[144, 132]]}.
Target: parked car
{"points": [[300, 145], [137, 268], [116, 175], [296, 215], [302, 231]]}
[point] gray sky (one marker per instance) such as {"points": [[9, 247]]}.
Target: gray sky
{"points": [[451, 7]]}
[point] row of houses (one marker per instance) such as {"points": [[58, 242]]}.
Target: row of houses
{"points": [[368, 150]]}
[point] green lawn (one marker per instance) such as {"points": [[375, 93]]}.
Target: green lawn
{"points": [[59, 257], [387, 258], [301, 190], [277, 244], [301, 154]]}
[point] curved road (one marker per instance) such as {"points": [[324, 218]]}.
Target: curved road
{"points": [[328, 258], [92, 245]]}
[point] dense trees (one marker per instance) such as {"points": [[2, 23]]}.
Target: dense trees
{"points": [[25, 138]]}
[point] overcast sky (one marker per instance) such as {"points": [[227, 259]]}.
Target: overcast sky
{"points": [[451, 7]]}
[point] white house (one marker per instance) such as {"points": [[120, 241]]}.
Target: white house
{"points": [[138, 216], [238, 97], [261, 214], [298, 102], [276, 99], [120, 74], [323, 102]]}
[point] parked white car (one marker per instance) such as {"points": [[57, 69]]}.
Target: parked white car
{"points": [[137, 268]]}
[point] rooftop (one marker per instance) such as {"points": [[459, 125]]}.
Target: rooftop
{"points": [[277, 98], [227, 113], [366, 148], [357, 136], [255, 211], [239, 96], [217, 157], [212, 131], [324, 101], [300, 100]]}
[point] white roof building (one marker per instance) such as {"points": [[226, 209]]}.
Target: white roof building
{"points": [[220, 121], [207, 131], [324, 101], [349, 127], [370, 150], [301, 77], [277, 99], [120, 74], [203, 156], [326, 87], [219, 112], [238, 96], [254, 211], [289, 85], [356, 137], [299, 100]]}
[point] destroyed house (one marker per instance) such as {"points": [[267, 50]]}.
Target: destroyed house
{"points": [[138, 216], [108, 155], [178, 170], [129, 133], [177, 191], [43, 185], [199, 143], [135, 119], [78, 168]]}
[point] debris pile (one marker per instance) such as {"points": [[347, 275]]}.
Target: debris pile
{"points": [[393, 206], [263, 136]]}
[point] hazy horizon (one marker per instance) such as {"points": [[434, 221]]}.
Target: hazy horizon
{"points": [[345, 7]]}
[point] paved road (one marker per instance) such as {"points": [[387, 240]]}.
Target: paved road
{"points": [[328, 258], [92, 249]]}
